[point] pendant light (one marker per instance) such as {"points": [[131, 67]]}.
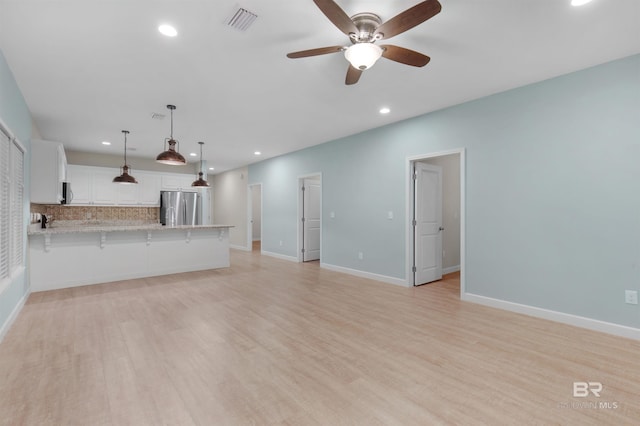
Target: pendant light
{"points": [[125, 177], [200, 182], [171, 156]]}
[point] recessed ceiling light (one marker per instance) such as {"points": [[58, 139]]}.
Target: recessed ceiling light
{"points": [[211, 168], [106, 143], [167, 30], [385, 110], [193, 154], [579, 2], [257, 153]]}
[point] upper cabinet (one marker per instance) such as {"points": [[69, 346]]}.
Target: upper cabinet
{"points": [[103, 190], [48, 171], [178, 182], [149, 185], [94, 186], [80, 178]]}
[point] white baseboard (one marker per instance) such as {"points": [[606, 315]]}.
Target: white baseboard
{"points": [[14, 314], [243, 248], [363, 274], [575, 320], [280, 256], [450, 269]]}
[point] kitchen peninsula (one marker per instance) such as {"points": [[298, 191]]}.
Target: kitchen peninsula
{"points": [[71, 255]]}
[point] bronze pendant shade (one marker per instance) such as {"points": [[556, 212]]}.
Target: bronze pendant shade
{"points": [[200, 181], [171, 156], [125, 177]]}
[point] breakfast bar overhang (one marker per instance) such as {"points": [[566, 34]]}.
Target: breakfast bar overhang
{"points": [[75, 256]]}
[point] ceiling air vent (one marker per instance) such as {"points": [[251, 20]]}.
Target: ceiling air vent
{"points": [[241, 19], [157, 116]]}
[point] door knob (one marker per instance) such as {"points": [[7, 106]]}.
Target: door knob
{"points": [[441, 229]]}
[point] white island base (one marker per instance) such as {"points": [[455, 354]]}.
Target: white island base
{"points": [[62, 258]]}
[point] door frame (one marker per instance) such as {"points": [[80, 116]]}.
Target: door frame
{"points": [[300, 227], [410, 206], [250, 215]]}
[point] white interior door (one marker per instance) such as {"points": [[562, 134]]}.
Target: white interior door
{"points": [[428, 223], [256, 212], [311, 192]]}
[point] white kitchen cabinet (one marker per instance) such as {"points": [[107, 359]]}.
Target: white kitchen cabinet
{"points": [[48, 171], [94, 186], [178, 182], [80, 179], [127, 194], [149, 184], [103, 191]]}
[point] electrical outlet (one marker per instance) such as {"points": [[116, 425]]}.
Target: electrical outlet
{"points": [[360, 255], [631, 297], [280, 243]]}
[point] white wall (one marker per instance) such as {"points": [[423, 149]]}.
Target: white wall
{"points": [[551, 193], [230, 198], [15, 115]]}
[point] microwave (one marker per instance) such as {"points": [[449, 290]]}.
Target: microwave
{"points": [[67, 195]]}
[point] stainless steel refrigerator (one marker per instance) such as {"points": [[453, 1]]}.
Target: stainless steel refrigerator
{"points": [[180, 208]]}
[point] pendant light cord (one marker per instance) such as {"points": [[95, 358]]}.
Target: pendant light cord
{"points": [[171, 123], [125, 147], [201, 143]]}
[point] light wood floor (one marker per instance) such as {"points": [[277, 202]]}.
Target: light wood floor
{"points": [[271, 342]]}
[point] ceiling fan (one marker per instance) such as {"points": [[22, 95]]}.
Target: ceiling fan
{"points": [[364, 29]]}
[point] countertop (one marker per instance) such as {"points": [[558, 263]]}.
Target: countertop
{"points": [[70, 227]]}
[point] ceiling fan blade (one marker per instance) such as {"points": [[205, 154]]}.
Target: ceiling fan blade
{"points": [[405, 56], [315, 52], [353, 75], [409, 18], [336, 15]]}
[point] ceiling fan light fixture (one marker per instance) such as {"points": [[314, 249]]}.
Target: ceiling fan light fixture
{"points": [[125, 177], [363, 55], [171, 156]]}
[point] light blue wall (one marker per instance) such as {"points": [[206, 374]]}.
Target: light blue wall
{"points": [[553, 192], [15, 114]]}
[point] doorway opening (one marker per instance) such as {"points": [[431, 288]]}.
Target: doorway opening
{"points": [[310, 217], [435, 217], [254, 232]]}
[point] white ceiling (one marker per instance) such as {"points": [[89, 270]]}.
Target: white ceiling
{"points": [[89, 68]]}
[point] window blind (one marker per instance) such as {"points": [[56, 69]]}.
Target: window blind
{"points": [[17, 206], [4, 205]]}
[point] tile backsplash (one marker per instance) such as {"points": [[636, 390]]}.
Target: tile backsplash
{"points": [[101, 213]]}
